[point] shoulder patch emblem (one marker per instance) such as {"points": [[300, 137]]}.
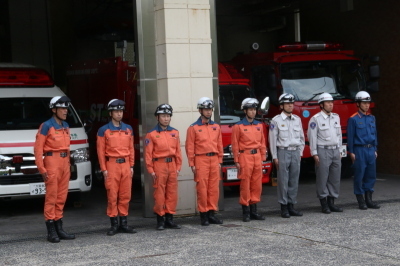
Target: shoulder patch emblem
{"points": [[313, 125], [146, 142], [271, 127]]}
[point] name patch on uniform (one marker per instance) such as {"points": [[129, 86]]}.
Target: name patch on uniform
{"points": [[271, 126], [214, 128], [56, 132], [172, 135], [245, 129], [111, 133], [146, 142], [323, 125], [200, 130], [157, 136], [126, 132], [313, 125], [258, 128]]}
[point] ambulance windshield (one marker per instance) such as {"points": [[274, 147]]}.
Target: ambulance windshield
{"points": [[29, 113], [342, 79]]}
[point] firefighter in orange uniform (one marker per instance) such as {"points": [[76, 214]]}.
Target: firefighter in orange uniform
{"points": [[249, 151], [163, 162], [52, 142], [204, 151], [116, 158]]}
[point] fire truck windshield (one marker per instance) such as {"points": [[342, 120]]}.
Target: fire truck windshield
{"points": [[29, 113], [342, 79], [230, 100]]}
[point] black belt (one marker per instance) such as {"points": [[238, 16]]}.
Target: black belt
{"points": [[62, 154], [366, 146], [166, 159], [207, 154], [253, 151], [117, 160]]}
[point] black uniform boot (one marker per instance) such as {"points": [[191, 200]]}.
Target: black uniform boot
{"points": [[60, 231], [51, 232], [285, 211], [361, 202], [254, 214], [246, 213], [160, 222], [114, 226], [292, 211], [212, 219], [204, 219], [331, 205], [369, 202], [324, 206], [169, 222], [124, 227]]}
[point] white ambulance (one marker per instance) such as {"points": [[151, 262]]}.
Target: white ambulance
{"points": [[25, 94]]}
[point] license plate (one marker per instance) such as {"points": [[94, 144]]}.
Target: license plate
{"points": [[231, 174], [343, 151], [37, 188]]}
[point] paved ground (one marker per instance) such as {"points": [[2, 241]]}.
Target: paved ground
{"points": [[354, 237]]}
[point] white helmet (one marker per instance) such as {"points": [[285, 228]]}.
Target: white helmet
{"points": [[205, 103], [163, 109], [324, 97], [249, 103], [116, 104], [286, 98], [59, 101], [362, 96]]}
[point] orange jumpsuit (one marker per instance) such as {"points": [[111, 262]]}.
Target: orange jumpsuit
{"points": [[164, 158], [52, 142], [246, 140], [116, 156], [204, 151]]}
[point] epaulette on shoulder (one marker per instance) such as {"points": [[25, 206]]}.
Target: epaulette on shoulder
{"points": [[276, 117], [335, 114], [296, 116]]}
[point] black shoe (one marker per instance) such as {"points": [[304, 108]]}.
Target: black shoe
{"points": [[246, 213], [60, 231], [292, 211], [114, 226], [160, 222], [369, 202], [254, 214], [124, 227], [361, 202], [204, 219], [169, 222], [212, 219], [332, 206], [324, 206], [51, 232], [285, 211]]}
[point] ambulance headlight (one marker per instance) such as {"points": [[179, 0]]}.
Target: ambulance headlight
{"points": [[80, 155]]}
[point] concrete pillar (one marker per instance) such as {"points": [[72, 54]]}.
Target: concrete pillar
{"points": [[177, 65]]}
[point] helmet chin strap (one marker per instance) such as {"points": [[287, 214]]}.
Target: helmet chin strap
{"points": [[208, 118], [286, 112], [248, 117]]}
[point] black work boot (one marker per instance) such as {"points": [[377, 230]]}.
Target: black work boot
{"points": [[204, 219], [332, 206], [285, 211], [292, 211], [60, 231], [114, 226], [51, 232], [124, 227], [246, 213], [160, 222], [361, 202], [212, 219], [369, 202], [169, 222], [254, 214], [324, 206]]}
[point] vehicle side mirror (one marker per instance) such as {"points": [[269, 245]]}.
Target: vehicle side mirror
{"points": [[264, 106], [374, 72], [373, 86]]}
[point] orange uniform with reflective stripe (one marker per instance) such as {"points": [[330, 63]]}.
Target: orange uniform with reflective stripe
{"points": [[114, 145], [160, 147], [55, 138], [202, 139], [247, 137]]}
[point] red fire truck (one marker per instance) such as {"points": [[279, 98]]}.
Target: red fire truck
{"points": [[307, 70], [91, 84]]}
